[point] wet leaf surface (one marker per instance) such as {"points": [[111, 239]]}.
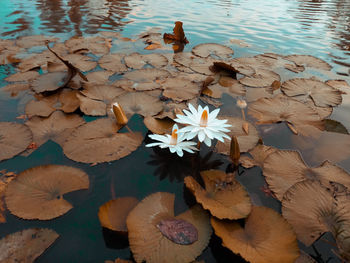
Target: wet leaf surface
{"points": [[26, 245], [36, 193], [179, 231]]}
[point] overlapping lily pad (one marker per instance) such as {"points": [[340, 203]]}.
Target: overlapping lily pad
{"points": [[224, 197], [147, 74], [26, 245], [261, 78], [180, 89], [147, 242], [14, 139], [284, 168], [322, 94], [98, 141], [299, 117], [210, 49], [245, 141], [37, 193], [113, 62], [138, 61], [266, 237], [309, 61]]}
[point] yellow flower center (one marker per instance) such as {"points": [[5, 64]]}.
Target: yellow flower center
{"points": [[204, 119], [173, 139]]}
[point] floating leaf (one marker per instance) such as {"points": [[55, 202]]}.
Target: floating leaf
{"points": [[245, 141], [234, 68], [180, 89], [139, 103], [138, 61], [14, 139], [265, 238], [261, 78], [96, 45], [35, 40], [5, 179], [98, 141], [113, 214], [259, 154], [49, 82], [36, 193], [209, 49], [223, 196], [146, 75], [309, 61], [23, 76], [312, 218], [284, 168], [335, 126], [280, 108], [159, 126], [294, 68], [142, 225], [113, 62], [322, 94], [26, 245]]}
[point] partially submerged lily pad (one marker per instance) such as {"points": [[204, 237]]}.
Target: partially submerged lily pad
{"points": [[259, 154], [14, 139], [26, 245], [283, 109], [139, 103], [245, 141], [159, 126], [309, 61], [49, 82], [322, 94], [224, 197], [113, 62], [261, 78], [266, 237], [142, 225], [98, 141], [312, 218], [284, 168], [138, 61], [210, 49], [37, 193], [180, 89], [56, 128], [23, 76], [113, 214]]}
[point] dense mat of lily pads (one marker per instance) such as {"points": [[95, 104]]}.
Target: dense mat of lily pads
{"points": [[179, 96]]}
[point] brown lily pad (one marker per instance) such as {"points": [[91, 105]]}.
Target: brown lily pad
{"points": [[35, 40], [14, 139], [234, 68], [309, 61], [113, 214], [143, 221], [180, 89], [261, 78], [312, 218], [99, 77], [245, 141], [23, 76], [98, 141], [36, 193], [283, 169], [113, 62], [49, 82], [96, 45], [138, 61], [265, 232], [26, 245], [56, 128], [81, 62], [259, 154], [139, 103], [224, 197], [146, 75], [210, 49], [5, 179], [294, 68], [322, 94], [280, 108], [159, 126]]}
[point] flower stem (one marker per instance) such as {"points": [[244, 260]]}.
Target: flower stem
{"points": [[243, 114]]}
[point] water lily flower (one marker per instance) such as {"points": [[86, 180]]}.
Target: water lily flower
{"points": [[203, 124], [175, 142]]}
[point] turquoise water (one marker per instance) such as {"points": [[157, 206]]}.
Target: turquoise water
{"points": [[319, 28]]}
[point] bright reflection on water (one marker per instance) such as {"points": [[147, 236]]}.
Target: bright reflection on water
{"points": [[319, 28]]}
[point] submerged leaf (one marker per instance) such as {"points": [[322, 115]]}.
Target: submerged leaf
{"points": [[26, 245], [178, 230]]}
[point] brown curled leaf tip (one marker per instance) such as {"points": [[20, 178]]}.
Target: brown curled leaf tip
{"points": [[179, 231]]}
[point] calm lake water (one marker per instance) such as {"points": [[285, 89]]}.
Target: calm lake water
{"points": [[318, 28]]}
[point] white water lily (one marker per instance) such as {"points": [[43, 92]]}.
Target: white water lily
{"points": [[203, 124], [175, 142]]}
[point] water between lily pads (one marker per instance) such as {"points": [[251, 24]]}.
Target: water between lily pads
{"points": [[250, 27]]}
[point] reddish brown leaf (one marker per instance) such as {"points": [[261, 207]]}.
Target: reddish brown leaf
{"points": [[179, 231], [178, 34]]}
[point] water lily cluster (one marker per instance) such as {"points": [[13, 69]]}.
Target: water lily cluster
{"points": [[197, 123]]}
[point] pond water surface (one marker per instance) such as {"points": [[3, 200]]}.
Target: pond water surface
{"points": [[318, 28]]}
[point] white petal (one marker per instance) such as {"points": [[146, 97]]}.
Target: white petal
{"points": [[172, 149], [201, 135], [207, 141], [192, 109], [153, 144], [179, 152], [213, 115]]}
